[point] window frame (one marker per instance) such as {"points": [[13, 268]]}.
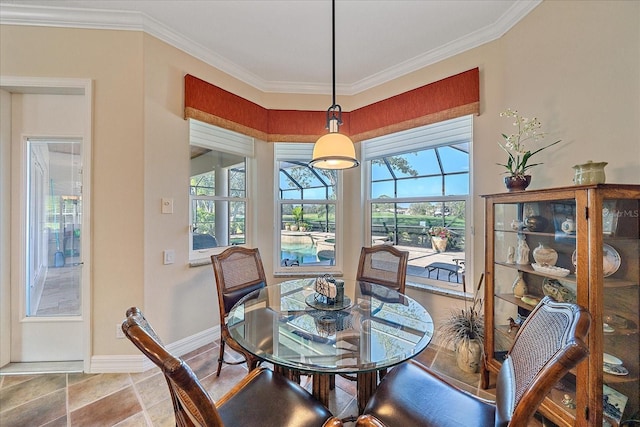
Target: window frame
{"points": [[302, 152], [412, 140], [215, 138]]}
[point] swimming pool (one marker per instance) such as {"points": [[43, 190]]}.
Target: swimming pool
{"points": [[307, 251]]}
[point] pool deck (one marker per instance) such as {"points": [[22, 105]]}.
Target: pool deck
{"points": [[419, 257]]}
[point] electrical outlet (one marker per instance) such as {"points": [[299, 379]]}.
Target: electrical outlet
{"points": [[119, 331]]}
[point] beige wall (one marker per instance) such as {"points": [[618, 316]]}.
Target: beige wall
{"points": [[576, 65], [5, 226]]}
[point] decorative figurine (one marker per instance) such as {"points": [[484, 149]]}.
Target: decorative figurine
{"points": [[511, 255], [569, 402], [513, 324], [522, 251]]}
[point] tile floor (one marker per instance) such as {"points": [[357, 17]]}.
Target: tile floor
{"points": [[142, 399]]}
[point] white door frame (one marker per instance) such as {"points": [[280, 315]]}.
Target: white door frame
{"points": [[64, 86]]}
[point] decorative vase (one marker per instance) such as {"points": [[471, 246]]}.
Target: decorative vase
{"points": [[590, 173], [469, 355], [517, 183], [519, 286], [439, 244], [544, 255]]}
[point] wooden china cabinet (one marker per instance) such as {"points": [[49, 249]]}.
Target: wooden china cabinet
{"points": [[586, 243]]}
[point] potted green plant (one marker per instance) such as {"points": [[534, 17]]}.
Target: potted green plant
{"points": [[464, 330], [304, 226], [297, 216]]}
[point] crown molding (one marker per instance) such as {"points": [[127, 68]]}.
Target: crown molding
{"points": [[11, 14]]}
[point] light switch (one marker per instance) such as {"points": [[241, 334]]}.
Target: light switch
{"points": [[167, 205], [169, 256]]}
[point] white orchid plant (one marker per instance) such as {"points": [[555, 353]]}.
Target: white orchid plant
{"points": [[515, 145]]}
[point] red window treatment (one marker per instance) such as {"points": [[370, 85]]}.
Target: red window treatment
{"points": [[451, 97]]}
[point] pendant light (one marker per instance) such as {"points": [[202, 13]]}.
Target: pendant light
{"points": [[334, 150]]}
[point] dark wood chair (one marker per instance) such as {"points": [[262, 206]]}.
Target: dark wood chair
{"points": [[549, 344], [238, 271], [244, 405], [384, 265]]}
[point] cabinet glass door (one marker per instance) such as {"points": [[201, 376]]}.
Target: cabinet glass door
{"points": [[535, 253], [620, 318]]}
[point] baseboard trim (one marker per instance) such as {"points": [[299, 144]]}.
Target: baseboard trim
{"points": [[140, 363]]}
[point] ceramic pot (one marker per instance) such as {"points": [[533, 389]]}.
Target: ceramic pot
{"points": [[545, 256], [589, 173], [469, 355], [439, 244], [568, 226], [519, 287], [517, 183]]}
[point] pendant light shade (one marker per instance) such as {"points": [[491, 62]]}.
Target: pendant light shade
{"points": [[334, 150]]}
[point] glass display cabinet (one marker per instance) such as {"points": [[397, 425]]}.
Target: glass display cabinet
{"points": [[581, 244]]}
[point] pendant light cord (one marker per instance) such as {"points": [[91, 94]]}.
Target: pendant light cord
{"points": [[333, 47]]}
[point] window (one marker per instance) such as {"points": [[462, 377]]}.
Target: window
{"points": [[418, 192], [307, 209], [218, 188]]}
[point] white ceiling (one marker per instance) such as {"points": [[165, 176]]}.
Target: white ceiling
{"points": [[285, 46]]}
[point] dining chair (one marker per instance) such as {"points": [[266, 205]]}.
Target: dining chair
{"points": [[412, 395], [238, 271], [245, 404], [384, 265]]}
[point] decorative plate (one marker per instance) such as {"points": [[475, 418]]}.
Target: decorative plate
{"points": [[615, 369], [610, 359], [610, 262], [317, 301], [550, 270]]}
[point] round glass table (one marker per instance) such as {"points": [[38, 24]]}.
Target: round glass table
{"points": [[293, 327]]}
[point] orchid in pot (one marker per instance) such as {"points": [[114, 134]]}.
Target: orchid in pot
{"points": [[516, 147]]}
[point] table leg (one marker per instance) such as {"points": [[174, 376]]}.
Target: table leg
{"points": [[367, 384], [289, 373], [320, 388]]}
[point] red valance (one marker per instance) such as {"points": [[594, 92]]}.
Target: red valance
{"points": [[451, 97]]}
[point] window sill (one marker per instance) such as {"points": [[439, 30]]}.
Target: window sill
{"points": [[307, 273], [451, 293], [199, 262]]}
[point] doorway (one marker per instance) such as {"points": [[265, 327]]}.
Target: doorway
{"points": [[49, 246]]}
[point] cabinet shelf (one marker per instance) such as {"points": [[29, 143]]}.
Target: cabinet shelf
{"points": [[616, 297], [516, 300], [528, 269]]}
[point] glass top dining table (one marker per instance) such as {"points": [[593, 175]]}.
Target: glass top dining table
{"points": [[293, 327]]}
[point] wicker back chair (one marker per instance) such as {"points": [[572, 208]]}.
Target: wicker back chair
{"points": [[193, 406], [384, 265], [238, 271], [549, 344]]}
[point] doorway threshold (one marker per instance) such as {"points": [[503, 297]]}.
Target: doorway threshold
{"points": [[34, 368]]}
